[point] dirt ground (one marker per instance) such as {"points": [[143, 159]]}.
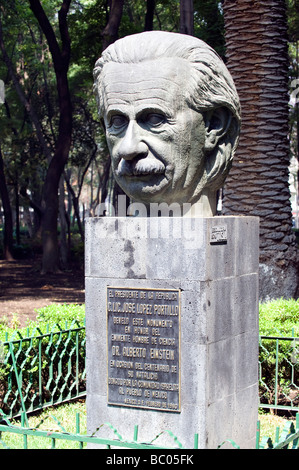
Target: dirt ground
{"points": [[23, 289]]}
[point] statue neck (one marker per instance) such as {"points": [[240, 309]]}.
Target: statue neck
{"points": [[205, 207]]}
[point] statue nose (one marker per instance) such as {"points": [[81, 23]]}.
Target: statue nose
{"points": [[132, 145]]}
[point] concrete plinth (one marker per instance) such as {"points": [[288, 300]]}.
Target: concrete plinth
{"points": [[213, 264]]}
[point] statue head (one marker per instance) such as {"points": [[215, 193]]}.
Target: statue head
{"points": [[171, 115]]}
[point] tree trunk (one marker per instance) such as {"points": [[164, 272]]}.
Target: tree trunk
{"points": [[8, 225], [186, 17], [34, 204], [50, 196], [61, 57], [64, 251], [75, 200], [257, 57], [105, 179], [110, 32], [17, 208], [149, 16], [23, 99]]}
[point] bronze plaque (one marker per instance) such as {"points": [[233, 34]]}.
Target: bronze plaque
{"points": [[143, 328]]}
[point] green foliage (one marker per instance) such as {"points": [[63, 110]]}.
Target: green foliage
{"points": [[293, 19], [279, 317], [86, 21], [77, 250], [47, 317], [209, 24], [58, 313], [279, 359], [49, 355]]}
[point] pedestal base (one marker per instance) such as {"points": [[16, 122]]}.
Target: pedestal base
{"points": [[211, 347]]}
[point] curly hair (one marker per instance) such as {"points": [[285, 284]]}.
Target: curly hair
{"points": [[210, 84]]}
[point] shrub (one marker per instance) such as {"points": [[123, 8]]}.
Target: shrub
{"points": [[51, 358], [58, 313], [279, 318], [47, 318]]}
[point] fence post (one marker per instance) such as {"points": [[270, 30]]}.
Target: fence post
{"points": [[78, 428], [135, 432], [25, 437], [258, 435], [18, 381], [40, 385]]}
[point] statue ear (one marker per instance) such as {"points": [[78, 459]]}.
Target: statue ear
{"points": [[217, 123]]}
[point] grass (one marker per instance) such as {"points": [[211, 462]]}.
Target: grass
{"points": [[269, 422], [52, 419]]}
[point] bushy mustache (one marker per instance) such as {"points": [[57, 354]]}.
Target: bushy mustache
{"points": [[141, 166]]}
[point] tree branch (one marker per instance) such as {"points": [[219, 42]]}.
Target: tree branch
{"points": [[26, 103], [110, 32], [65, 38], [45, 24]]}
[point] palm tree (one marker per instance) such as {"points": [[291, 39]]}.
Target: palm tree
{"points": [[257, 57]]}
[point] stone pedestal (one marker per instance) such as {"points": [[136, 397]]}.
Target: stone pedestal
{"points": [[206, 270]]}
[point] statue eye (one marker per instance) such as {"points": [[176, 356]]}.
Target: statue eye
{"points": [[155, 119], [118, 121]]}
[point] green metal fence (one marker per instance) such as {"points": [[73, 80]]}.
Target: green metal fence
{"points": [[40, 369], [288, 439], [43, 368], [79, 440], [279, 372], [32, 437]]}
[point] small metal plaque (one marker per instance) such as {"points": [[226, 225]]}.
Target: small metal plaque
{"points": [[218, 234], [143, 338]]}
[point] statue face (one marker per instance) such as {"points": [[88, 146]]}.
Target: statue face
{"points": [[155, 139]]}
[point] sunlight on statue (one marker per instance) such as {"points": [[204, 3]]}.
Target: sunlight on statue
{"points": [[171, 115]]}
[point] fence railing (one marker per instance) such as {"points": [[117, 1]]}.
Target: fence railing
{"points": [[287, 439], [41, 369], [44, 368], [53, 436], [279, 372]]}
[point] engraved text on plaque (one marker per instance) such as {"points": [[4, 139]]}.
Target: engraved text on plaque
{"points": [[143, 328]]}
